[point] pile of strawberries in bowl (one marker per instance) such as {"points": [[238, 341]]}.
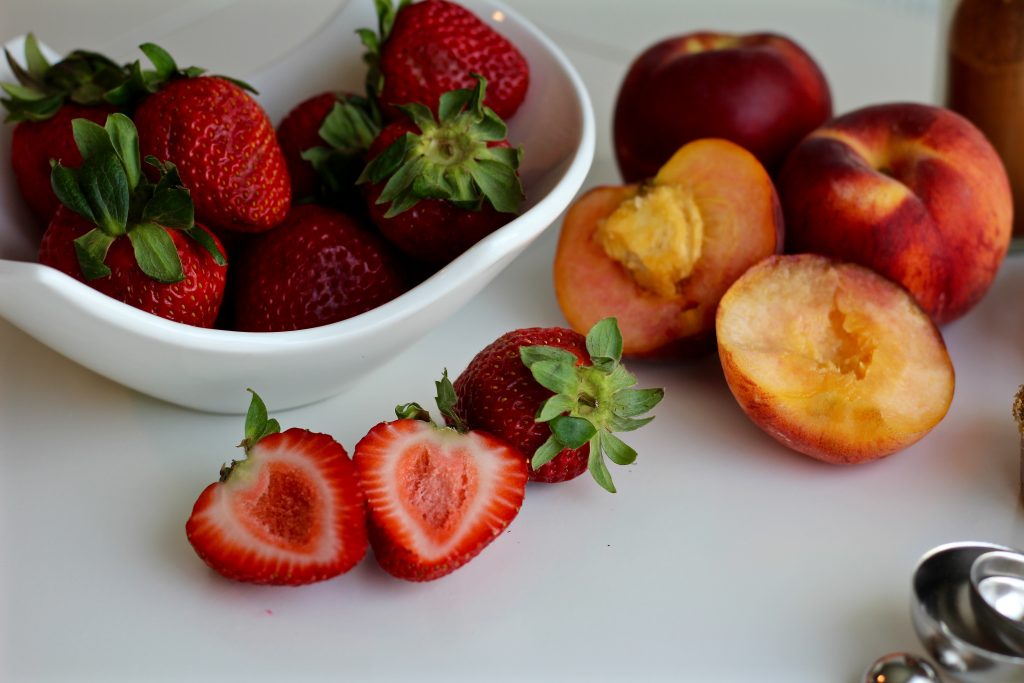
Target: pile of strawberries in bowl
{"points": [[181, 234]]}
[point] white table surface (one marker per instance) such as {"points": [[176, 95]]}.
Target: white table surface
{"points": [[724, 557]]}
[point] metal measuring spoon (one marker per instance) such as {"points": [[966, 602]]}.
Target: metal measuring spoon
{"points": [[997, 595], [900, 667]]}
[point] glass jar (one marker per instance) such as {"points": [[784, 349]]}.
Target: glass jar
{"points": [[982, 78]]}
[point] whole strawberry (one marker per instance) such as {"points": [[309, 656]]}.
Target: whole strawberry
{"points": [[435, 496], [289, 513], [317, 267], [131, 239], [325, 139], [43, 103], [425, 49], [436, 187], [219, 137], [557, 397]]}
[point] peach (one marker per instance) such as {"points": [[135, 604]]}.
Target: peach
{"points": [[761, 91], [912, 191], [659, 256], [832, 359]]}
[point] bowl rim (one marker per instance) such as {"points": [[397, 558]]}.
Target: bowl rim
{"points": [[481, 257]]}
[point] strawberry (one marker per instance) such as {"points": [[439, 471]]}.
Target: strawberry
{"points": [[317, 267], [436, 496], [43, 103], [219, 137], [289, 513], [324, 139], [557, 396], [131, 239], [426, 49], [435, 188]]}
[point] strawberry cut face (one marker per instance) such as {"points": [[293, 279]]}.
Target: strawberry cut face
{"points": [[436, 497], [290, 513]]}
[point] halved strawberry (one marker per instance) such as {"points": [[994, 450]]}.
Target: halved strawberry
{"points": [[291, 512], [436, 496]]}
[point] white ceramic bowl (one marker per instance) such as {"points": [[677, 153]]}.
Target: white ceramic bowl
{"points": [[206, 369]]}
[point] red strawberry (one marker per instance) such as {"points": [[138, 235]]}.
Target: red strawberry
{"points": [[290, 513], [219, 137], [133, 240], [557, 396], [436, 188], [435, 496], [298, 131], [45, 100], [317, 267], [324, 140], [426, 49]]}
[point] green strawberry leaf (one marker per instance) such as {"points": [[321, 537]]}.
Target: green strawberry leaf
{"points": [[572, 432], [257, 426], [558, 404], [633, 402], [90, 138], [559, 377], [91, 250], [37, 64], [400, 182], [387, 163], [535, 354], [412, 411], [163, 62], [124, 138], [420, 114], [170, 207], [490, 128], [103, 181], [604, 340], [546, 453], [617, 451], [23, 93], [446, 402], [452, 103], [499, 183], [595, 463], [206, 241], [155, 253], [64, 182]]}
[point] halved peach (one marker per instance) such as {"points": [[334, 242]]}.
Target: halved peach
{"points": [[658, 256], [831, 359]]}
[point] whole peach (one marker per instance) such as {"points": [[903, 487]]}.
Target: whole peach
{"points": [[912, 191], [761, 91]]}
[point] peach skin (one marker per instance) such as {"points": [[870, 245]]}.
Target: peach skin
{"points": [[912, 191]]}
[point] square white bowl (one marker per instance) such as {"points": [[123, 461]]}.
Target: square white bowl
{"points": [[206, 369]]}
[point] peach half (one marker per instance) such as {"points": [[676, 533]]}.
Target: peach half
{"points": [[658, 256], [831, 359]]}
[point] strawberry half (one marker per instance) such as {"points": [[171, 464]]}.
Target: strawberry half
{"points": [[436, 496], [425, 49], [436, 187], [131, 239], [219, 137], [290, 513], [43, 103], [558, 397]]}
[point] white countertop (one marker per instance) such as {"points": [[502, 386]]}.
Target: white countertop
{"points": [[724, 557]]}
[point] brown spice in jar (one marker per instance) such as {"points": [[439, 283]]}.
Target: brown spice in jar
{"points": [[986, 81]]}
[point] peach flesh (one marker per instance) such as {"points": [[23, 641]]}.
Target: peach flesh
{"points": [[831, 359], [659, 256]]}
